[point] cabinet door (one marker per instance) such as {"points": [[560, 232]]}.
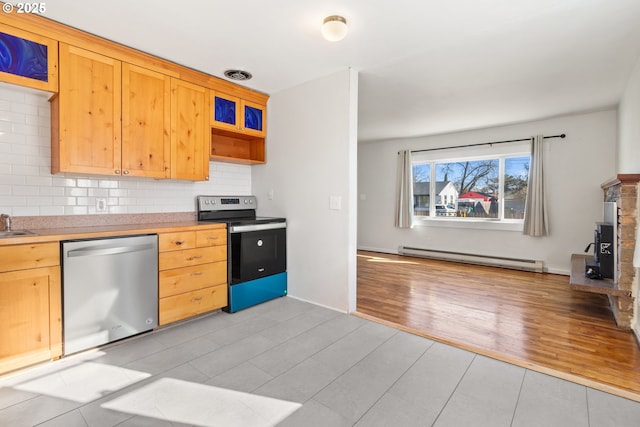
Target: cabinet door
{"points": [[190, 136], [146, 117], [28, 59], [30, 317], [253, 116], [88, 113], [225, 111]]}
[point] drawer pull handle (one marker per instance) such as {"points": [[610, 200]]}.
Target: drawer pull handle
{"points": [[194, 257], [213, 238], [196, 299], [179, 242], [197, 273]]}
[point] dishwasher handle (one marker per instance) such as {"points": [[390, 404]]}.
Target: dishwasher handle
{"points": [[97, 251]]}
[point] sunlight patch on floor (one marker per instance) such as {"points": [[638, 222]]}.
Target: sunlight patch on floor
{"points": [[384, 260], [184, 402], [75, 378]]}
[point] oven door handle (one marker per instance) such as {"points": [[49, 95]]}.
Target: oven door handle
{"points": [[257, 227]]}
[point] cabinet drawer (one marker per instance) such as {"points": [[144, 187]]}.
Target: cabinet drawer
{"points": [[190, 304], [21, 257], [187, 257], [211, 237], [176, 241], [185, 279]]}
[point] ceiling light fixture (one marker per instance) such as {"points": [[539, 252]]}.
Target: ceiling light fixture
{"points": [[238, 75], [334, 28]]}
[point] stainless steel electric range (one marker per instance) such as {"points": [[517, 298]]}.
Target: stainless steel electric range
{"points": [[257, 250]]}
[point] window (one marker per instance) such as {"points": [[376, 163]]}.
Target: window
{"points": [[480, 188]]}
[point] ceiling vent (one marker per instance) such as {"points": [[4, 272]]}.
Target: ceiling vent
{"points": [[237, 75]]}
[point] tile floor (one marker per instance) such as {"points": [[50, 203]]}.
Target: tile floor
{"points": [[290, 363]]}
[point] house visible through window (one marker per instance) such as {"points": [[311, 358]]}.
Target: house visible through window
{"points": [[479, 188]]}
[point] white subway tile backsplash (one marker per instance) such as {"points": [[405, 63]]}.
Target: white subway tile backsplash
{"points": [[24, 129], [41, 181], [27, 110], [75, 210], [12, 117], [50, 210], [51, 191], [25, 190], [25, 211], [64, 201], [24, 170], [75, 191], [28, 188], [39, 201]]}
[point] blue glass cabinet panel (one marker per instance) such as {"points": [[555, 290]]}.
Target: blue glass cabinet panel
{"points": [[225, 110], [252, 118], [23, 57]]}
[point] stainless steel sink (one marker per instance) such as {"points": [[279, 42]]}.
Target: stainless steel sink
{"points": [[16, 233]]}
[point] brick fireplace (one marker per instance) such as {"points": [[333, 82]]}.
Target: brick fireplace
{"points": [[624, 191]]}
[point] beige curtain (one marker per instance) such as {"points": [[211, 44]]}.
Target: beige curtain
{"points": [[404, 200], [535, 215]]}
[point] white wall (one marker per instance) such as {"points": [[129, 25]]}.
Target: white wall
{"points": [[629, 126], [311, 157], [27, 187], [576, 167], [629, 157]]}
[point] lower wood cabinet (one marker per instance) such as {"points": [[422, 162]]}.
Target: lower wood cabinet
{"points": [[193, 273], [30, 305]]}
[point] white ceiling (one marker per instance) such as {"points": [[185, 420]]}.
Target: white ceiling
{"points": [[425, 66]]}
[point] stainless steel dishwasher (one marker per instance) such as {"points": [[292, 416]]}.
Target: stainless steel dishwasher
{"points": [[109, 288]]}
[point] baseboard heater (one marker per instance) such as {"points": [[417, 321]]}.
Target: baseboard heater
{"points": [[513, 263]]}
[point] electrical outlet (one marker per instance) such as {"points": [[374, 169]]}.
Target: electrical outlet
{"points": [[101, 205]]}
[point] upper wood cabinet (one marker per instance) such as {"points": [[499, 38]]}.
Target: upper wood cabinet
{"points": [[190, 137], [85, 116], [28, 59], [146, 118], [114, 118], [237, 128], [235, 114]]}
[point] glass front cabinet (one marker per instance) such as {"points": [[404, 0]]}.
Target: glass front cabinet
{"points": [[237, 115], [28, 59]]}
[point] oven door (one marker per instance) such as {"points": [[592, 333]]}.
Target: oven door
{"points": [[257, 251]]}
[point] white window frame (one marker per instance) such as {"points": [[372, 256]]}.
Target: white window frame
{"points": [[495, 152]]}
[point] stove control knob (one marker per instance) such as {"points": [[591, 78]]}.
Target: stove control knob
{"points": [[206, 202]]}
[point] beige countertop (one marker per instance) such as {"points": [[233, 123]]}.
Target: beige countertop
{"points": [[87, 232]]}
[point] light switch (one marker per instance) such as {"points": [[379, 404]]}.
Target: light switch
{"points": [[335, 203]]}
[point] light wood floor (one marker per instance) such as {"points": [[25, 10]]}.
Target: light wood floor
{"points": [[529, 319]]}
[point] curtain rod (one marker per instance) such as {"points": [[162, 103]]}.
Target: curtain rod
{"points": [[486, 143]]}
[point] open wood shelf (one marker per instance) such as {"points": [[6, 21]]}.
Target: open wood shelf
{"points": [[235, 147], [579, 282]]}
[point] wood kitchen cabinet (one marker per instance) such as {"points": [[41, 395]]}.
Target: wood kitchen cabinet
{"points": [[85, 115], [193, 273], [115, 118], [146, 119], [28, 59], [30, 305], [239, 115], [238, 128], [189, 131]]}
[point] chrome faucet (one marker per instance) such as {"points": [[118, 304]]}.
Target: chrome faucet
{"points": [[7, 222]]}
